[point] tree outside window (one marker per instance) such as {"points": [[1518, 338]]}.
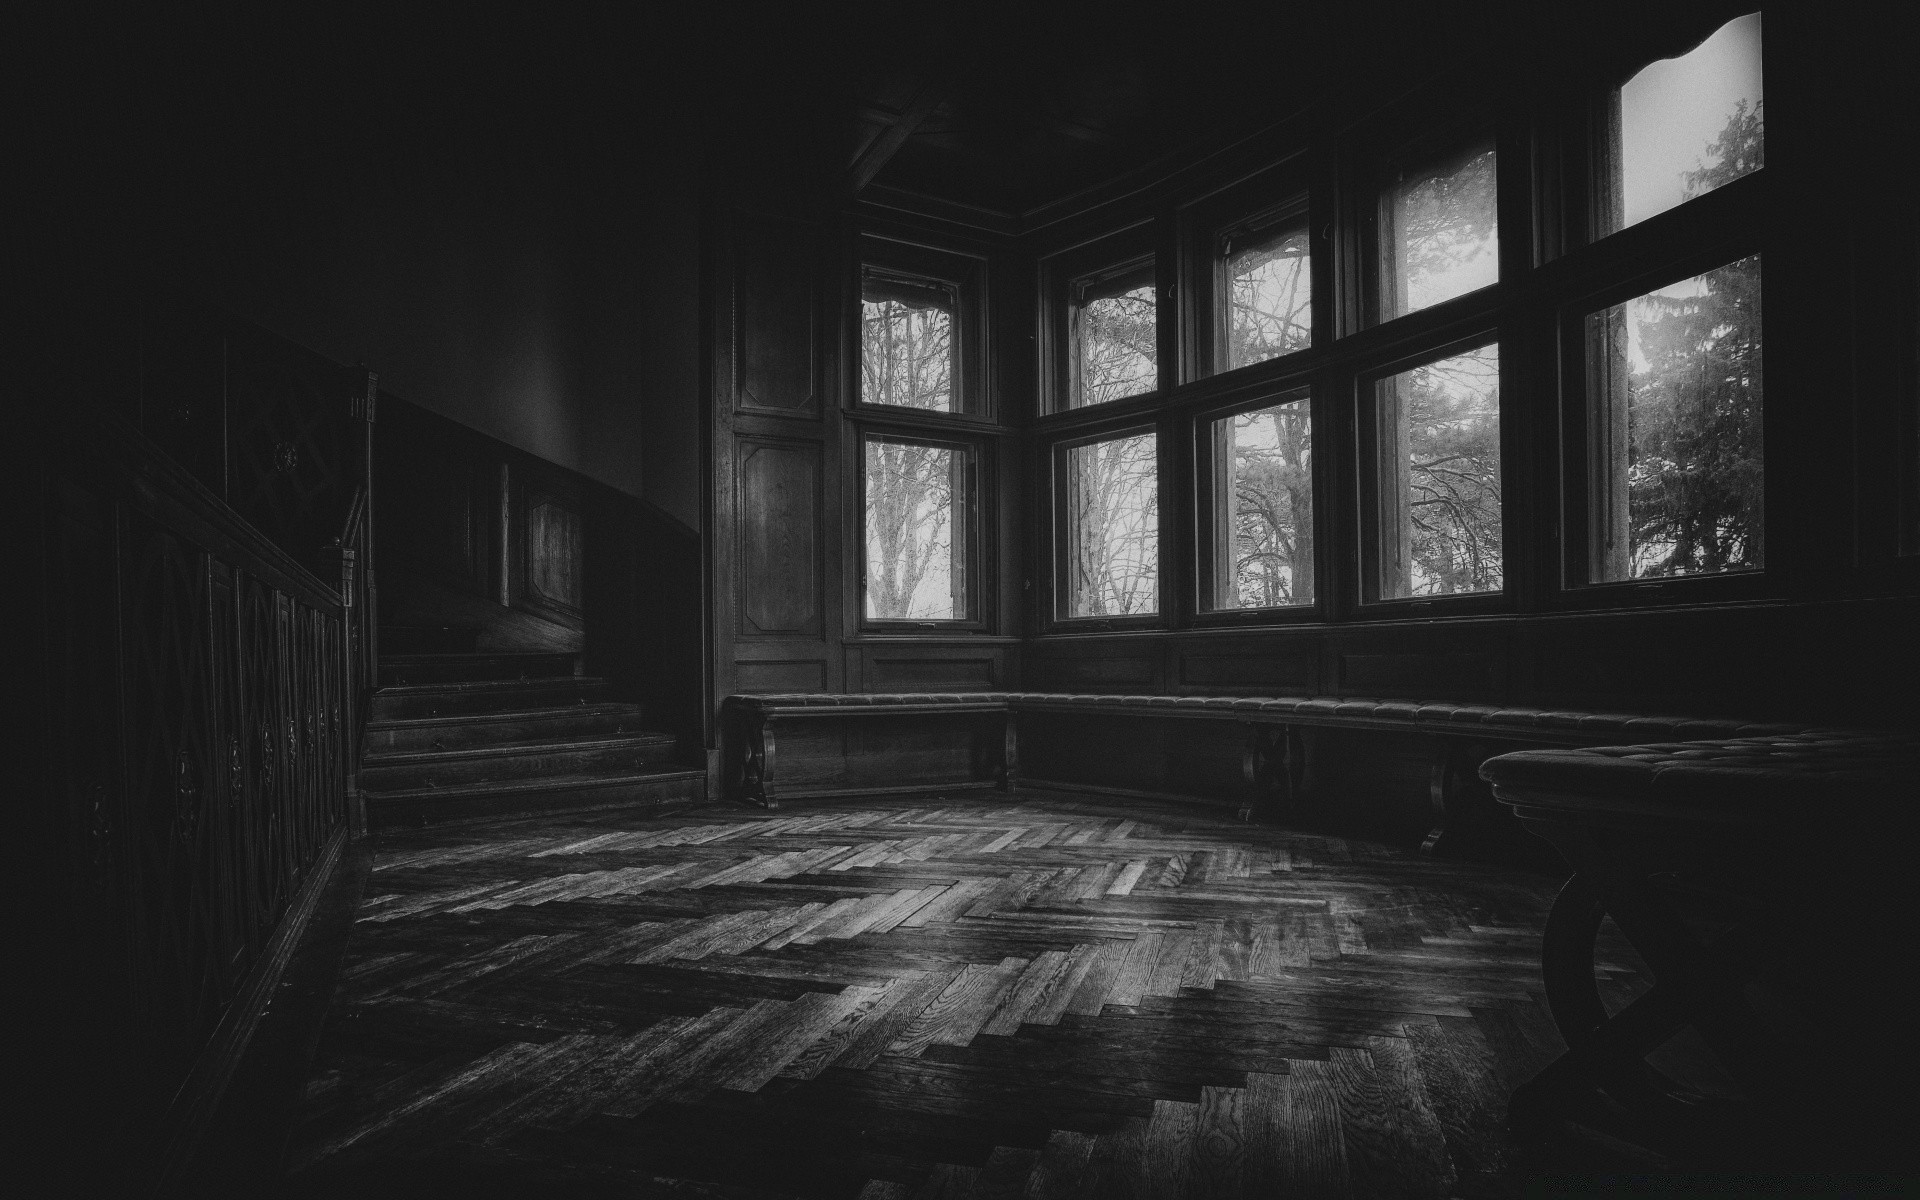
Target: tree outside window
{"points": [[906, 347], [1439, 477], [1440, 234], [916, 534], [1268, 295], [1677, 394], [1263, 515], [1113, 328], [1113, 527]]}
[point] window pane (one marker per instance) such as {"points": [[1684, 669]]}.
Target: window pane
{"points": [[1440, 234], [1269, 296], [1439, 433], [1263, 506], [1113, 528], [906, 353], [916, 531], [1113, 333], [1687, 125], [1676, 390]]}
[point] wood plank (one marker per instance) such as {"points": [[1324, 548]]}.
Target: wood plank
{"points": [[1058, 997], [1394, 1144]]}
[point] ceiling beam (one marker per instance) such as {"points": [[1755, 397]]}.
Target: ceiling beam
{"points": [[932, 91]]}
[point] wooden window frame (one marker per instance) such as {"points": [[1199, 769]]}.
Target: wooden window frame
{"points": [[979, 507], [936, 272], [1368, 468], [1209, 536], [1064, 274], [1579, 448], [1056, 618], [1453, 141]]}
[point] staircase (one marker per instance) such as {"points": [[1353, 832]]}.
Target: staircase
{"points": [[468, 735]]}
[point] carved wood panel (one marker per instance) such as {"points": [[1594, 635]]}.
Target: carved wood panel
{"points": [[289, 472], [553, 553], [775, 308], [548, 534], [195, 712], [1295, 671], [779, 517], [791, 675]]}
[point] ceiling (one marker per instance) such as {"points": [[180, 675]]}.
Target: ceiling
{"points": [[1016, 116]]}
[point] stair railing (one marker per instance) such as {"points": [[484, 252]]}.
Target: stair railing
{"points": [[359, 597]]}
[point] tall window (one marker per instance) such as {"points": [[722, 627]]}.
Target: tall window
{"points": [[1675, 395], [1437, 438], [1112, 333], [906, 345], [1112, 527], [1266, 289], [1262, 464], [1439, 232], [1682, 127], [918, 503]]}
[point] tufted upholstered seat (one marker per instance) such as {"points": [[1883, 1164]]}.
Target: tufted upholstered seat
{"points": [[1724, 861], [1734, 777]]}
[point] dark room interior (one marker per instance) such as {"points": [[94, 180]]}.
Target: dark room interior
{"points": [[1004, 601]]}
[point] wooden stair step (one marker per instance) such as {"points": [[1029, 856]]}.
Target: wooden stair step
{"points": [[413, 701], [650, 785], [511, 760], [428, 639], [442, 667], [491, 729]]}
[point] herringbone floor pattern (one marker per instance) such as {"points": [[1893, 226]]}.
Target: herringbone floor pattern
{"points": [[893, 999]]}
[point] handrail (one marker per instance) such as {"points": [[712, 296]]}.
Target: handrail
{"points": [[356, 516], [169, 493]]}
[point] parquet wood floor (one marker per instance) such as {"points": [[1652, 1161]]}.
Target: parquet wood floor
{"points": [[1040, 998]]}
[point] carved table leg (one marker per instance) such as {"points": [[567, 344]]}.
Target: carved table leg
{"points": [[1696, 982]]}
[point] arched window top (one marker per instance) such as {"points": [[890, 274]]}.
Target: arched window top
{"points": [[1683, 126]]}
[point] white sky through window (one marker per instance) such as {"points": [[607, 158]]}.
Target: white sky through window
{"points": [[1673, 110]]}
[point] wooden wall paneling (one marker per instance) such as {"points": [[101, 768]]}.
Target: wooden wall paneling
{"points": [[781, 675], [781, 527], [924, 667], [1467, 675], [1123, 665], [174, 969], [546, 518], [289, 467], [1283, 663], [496, 546], [227, 798], [775, 313], [1466, 661]]}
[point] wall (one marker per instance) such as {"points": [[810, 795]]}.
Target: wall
{"points": [[491, 218]]}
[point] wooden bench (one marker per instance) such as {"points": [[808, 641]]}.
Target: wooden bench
{"points": [[1721, 860], [1272, 754]]}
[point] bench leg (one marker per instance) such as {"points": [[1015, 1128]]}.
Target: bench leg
{"points": [[1010, 753], [1272, 770], [1451, 781], [757, 764]]}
